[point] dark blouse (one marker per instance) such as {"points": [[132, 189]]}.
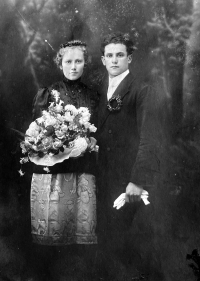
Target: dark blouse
{"points": [[78, 94]]}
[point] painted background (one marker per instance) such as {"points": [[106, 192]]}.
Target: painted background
{"points": [[168, 54]]}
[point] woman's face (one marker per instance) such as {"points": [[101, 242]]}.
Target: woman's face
{"points": [[73, 63]]}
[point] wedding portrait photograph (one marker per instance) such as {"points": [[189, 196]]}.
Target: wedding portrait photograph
{"points": [[99, 140]]}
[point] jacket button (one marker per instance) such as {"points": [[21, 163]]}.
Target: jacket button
{"points": [[108, 148], [110, 131]]}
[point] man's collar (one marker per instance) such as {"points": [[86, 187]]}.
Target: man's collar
{"points": [[117, 79]]}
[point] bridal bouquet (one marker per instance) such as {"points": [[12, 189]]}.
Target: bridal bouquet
{"points": [[60, 133]]}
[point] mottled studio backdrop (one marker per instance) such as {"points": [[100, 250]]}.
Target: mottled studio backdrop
{"points": [[168, 55]]}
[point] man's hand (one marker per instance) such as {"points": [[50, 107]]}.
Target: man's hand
{"points": [[92, 143], [133, 192]]}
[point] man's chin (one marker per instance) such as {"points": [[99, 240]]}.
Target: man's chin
{"points": [[114, 73]]}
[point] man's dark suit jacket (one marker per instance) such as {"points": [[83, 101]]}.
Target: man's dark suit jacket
{"points": [[127, 139]]}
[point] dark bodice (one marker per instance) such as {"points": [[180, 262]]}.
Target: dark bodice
{"points": [[78, 94], [71, 92]]}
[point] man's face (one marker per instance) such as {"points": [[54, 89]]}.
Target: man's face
{"points": [[116, 59]]}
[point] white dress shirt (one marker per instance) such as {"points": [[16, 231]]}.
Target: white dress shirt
{"points": [[114, 83]]}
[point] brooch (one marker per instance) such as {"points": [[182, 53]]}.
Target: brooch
{"points": [[114, 104]]}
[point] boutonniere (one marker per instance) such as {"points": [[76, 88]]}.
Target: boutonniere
{"points": [[114, 104]]}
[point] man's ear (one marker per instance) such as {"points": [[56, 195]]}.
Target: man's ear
{"points": [[103, 60], [130, 58], [61, 68]]}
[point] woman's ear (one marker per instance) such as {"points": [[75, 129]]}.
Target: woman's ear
{"points": [[103, 60]]}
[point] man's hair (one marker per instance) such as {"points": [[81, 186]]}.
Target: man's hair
{"points": [[119, 38]]}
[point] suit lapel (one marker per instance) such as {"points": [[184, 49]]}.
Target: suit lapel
{"points": [[121, 91]]}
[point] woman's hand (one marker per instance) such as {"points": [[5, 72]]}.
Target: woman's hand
{"points": [[92, 143]]}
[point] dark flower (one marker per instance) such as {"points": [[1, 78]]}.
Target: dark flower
{"points": [[49, 130]]}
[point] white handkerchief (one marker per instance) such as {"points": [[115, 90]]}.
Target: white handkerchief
{"points": [[122, 199]]}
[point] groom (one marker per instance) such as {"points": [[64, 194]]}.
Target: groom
{"points": [[128, 160]]}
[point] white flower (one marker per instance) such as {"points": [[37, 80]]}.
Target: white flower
{"points": [[47, 142], [68, 117], [87, 125], [35, 147], [60, 118], [29, 140], [24, 160], [57, 144], [40, 137], [33, 130], [50, 121], [81, 142], [40, 120], [79, 146], [85, 115], [60, 134], [56, 95], [55, 92], [64, 128], [71, 108], [45, 114], [84, 119], [23, 147], [83, 110], [59, 106], [73, 127], [92, 128]]}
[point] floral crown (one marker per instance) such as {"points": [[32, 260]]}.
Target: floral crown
{"points": [[73, 43]]}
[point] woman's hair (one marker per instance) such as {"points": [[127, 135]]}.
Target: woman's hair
{"points": [[71, 44], [119, 38]]}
